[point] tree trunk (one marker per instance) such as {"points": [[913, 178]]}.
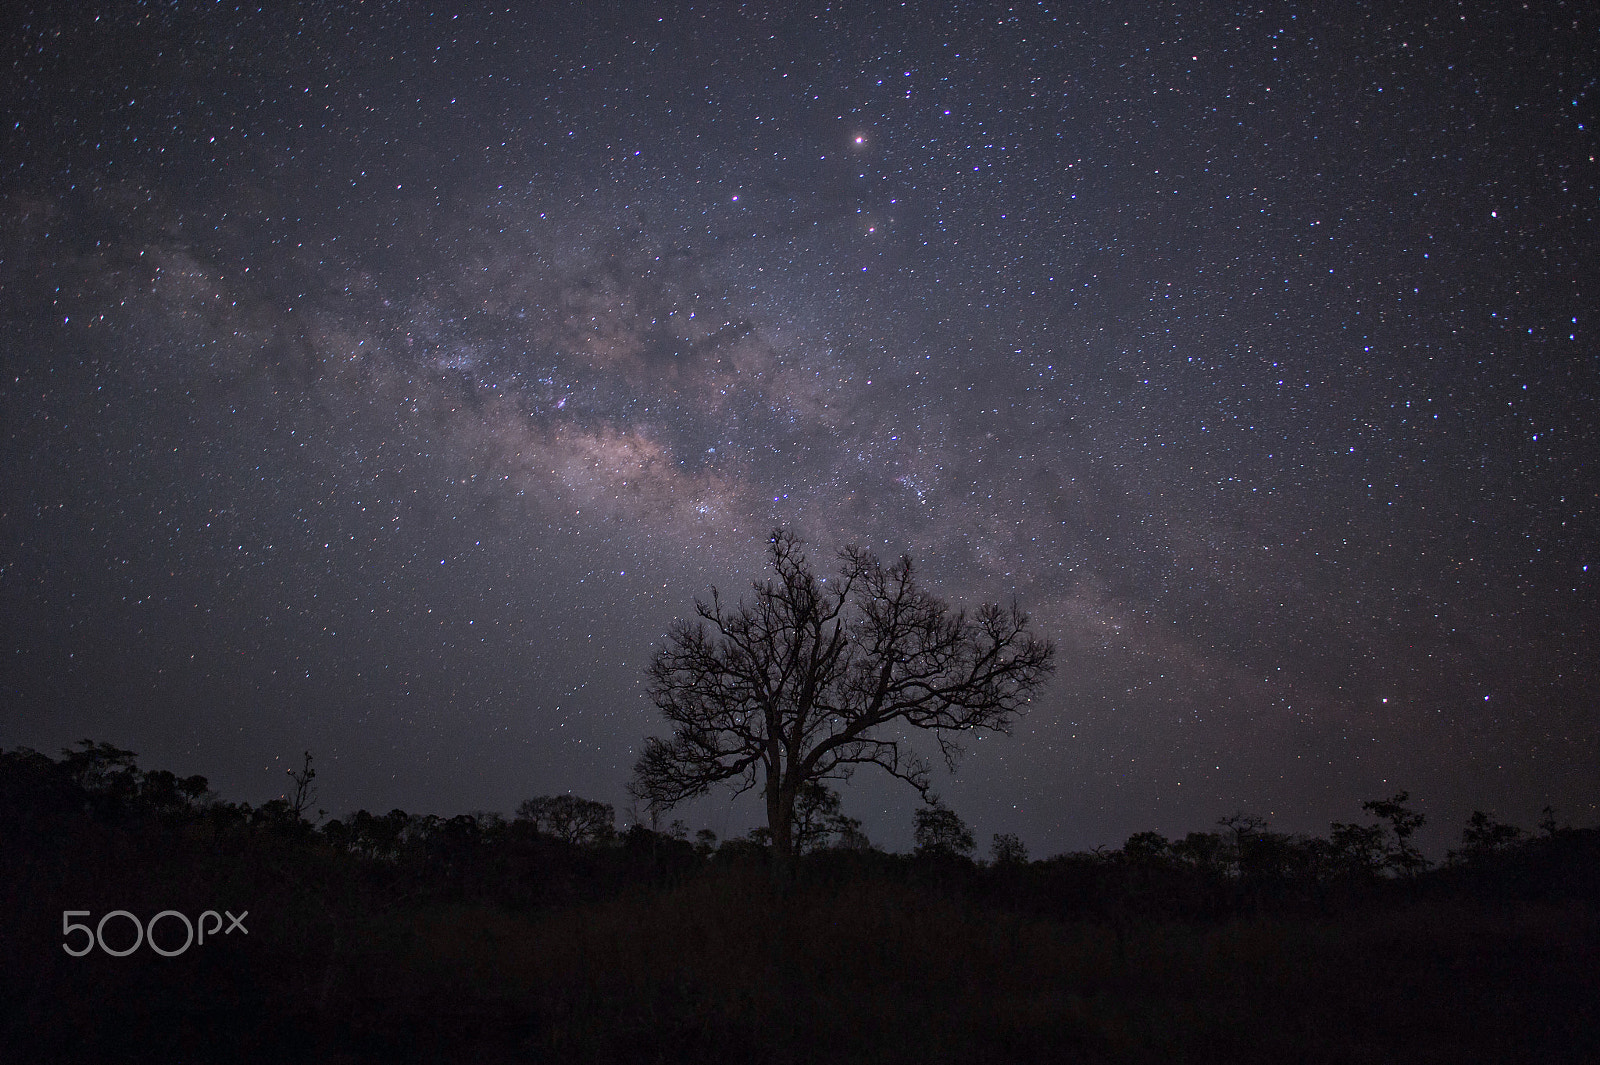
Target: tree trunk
{"points": [[780, 821]]}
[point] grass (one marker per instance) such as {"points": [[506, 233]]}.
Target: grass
{"points": [[879, 972]]}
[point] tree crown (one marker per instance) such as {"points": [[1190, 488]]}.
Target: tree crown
{"points": [[805, 680]]}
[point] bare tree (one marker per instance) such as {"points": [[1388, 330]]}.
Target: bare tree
{"points": [[567, 817], [304, 792], [805, 682]]}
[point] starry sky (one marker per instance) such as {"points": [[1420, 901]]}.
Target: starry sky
{"points": [[382, 379]]}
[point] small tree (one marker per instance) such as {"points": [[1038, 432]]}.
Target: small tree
{"points": [[804, 682], [569, 818], [1206, 852], [109, 774], [1147, 848], [303, 792], [818, 820], [1356, 851], [939, 831], [1007, 849], [1246, 830], [1405, 858], [1483, 837]]}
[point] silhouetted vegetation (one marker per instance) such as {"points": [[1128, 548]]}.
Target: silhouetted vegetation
{"points": [[553, 936], [806, 681]]}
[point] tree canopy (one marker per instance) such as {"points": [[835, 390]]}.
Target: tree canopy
{"points": [[570, 818], [815, 676]]}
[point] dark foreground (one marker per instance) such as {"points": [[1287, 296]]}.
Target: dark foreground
{"points": [[464, 944]]}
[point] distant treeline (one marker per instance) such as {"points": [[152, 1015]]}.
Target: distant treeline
{"points": [[563, 849]]}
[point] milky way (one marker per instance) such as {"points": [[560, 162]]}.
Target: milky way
{"points": [[383, 383]]}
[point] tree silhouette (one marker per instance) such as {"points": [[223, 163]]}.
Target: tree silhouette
{"points": [[1405, 858], [569, 818], [819, 822], [1356, 851], [1483, 837], [805, 681], [304, 792], [940, 831], [1007, 848]]}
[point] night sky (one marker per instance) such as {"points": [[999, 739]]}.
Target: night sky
{"points": [[382, 379]]}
